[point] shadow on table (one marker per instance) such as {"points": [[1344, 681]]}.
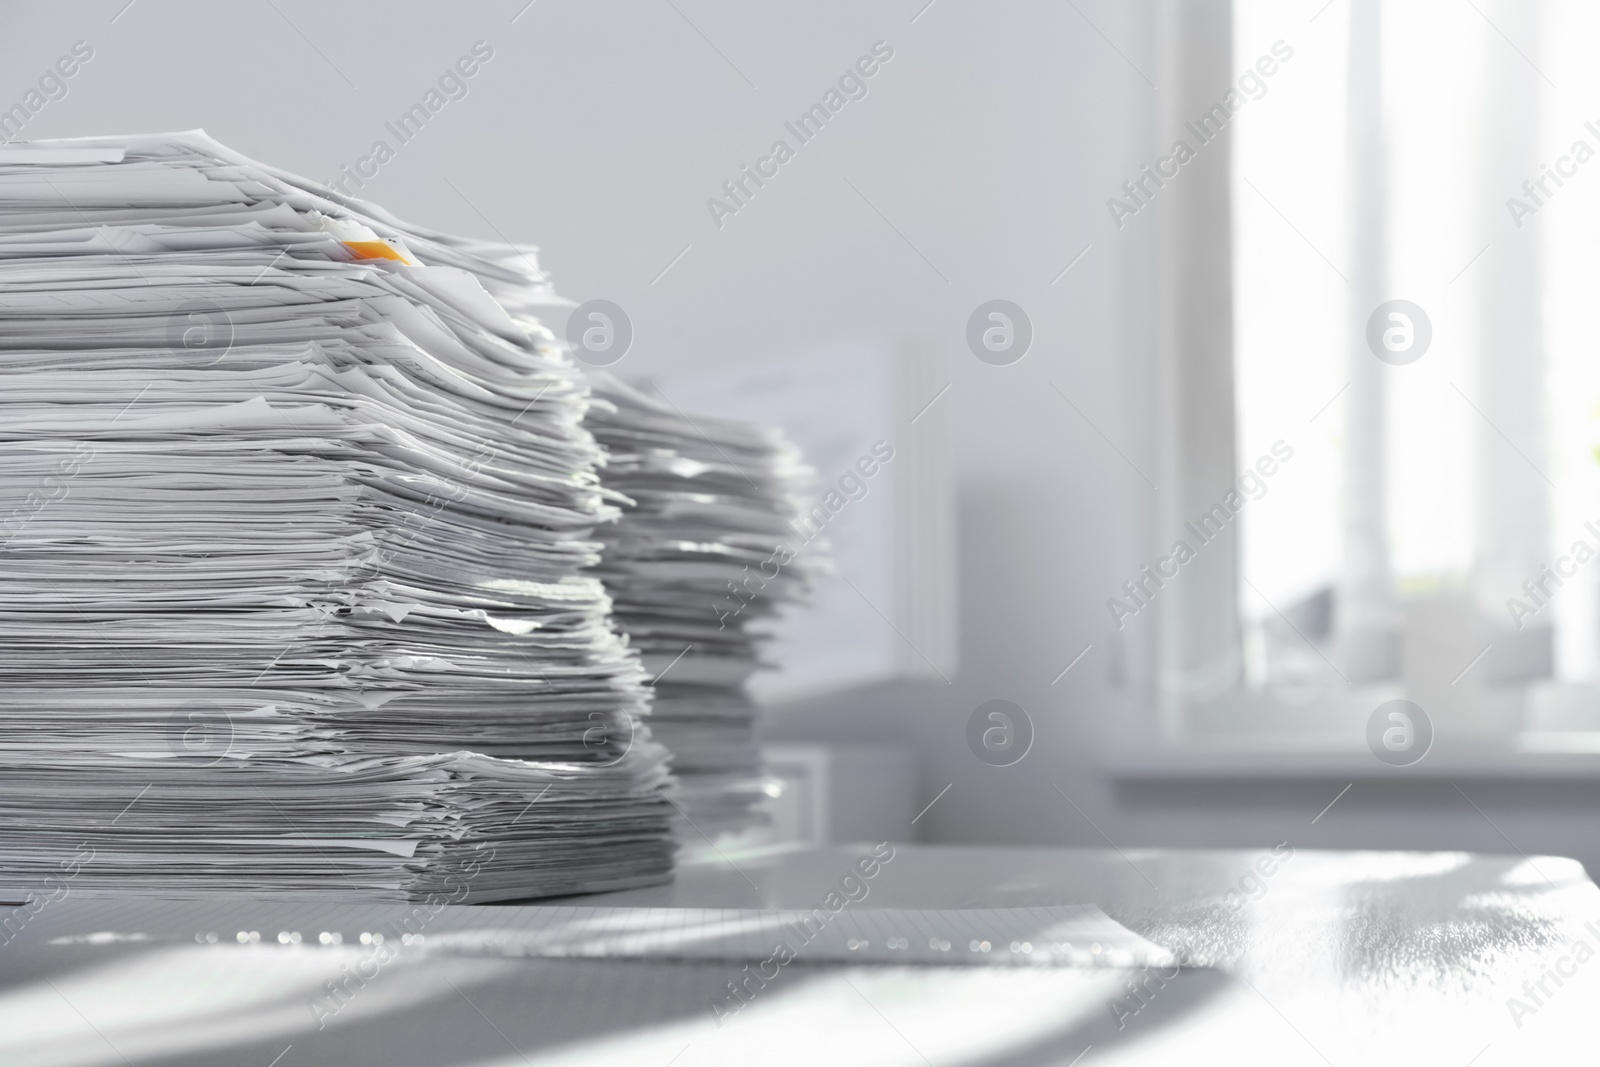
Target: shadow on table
{"points": [[248, 1005], [1342, 922]]}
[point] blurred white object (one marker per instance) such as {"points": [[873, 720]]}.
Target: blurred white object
{"points": [[831, 793], [873, 420]]}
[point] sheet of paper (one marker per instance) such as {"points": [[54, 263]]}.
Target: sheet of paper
{"points": [[1055, 936]]}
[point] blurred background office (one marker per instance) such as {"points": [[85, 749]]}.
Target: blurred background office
{"points": [[1336, 345]]}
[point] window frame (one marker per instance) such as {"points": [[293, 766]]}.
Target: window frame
{"points": [[1182, 274]]}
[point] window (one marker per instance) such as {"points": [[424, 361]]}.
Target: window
{"points": [[1413, 217]]}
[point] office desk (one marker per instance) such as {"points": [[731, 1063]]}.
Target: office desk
{"points": [[1294, 958]]}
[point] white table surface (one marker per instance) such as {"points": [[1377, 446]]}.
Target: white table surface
{"points": [[1327, 958]]}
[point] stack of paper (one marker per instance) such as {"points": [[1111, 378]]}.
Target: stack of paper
{"points": [[703, 553], [296, 512]]}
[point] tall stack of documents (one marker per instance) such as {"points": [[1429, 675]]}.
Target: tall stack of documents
{"points": [[296, 550], [704, 553]]}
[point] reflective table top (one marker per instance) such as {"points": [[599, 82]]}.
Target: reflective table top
{"points": [[1292, 957]]}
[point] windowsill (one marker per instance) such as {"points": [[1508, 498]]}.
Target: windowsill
{"points": [[1542, 756]]}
